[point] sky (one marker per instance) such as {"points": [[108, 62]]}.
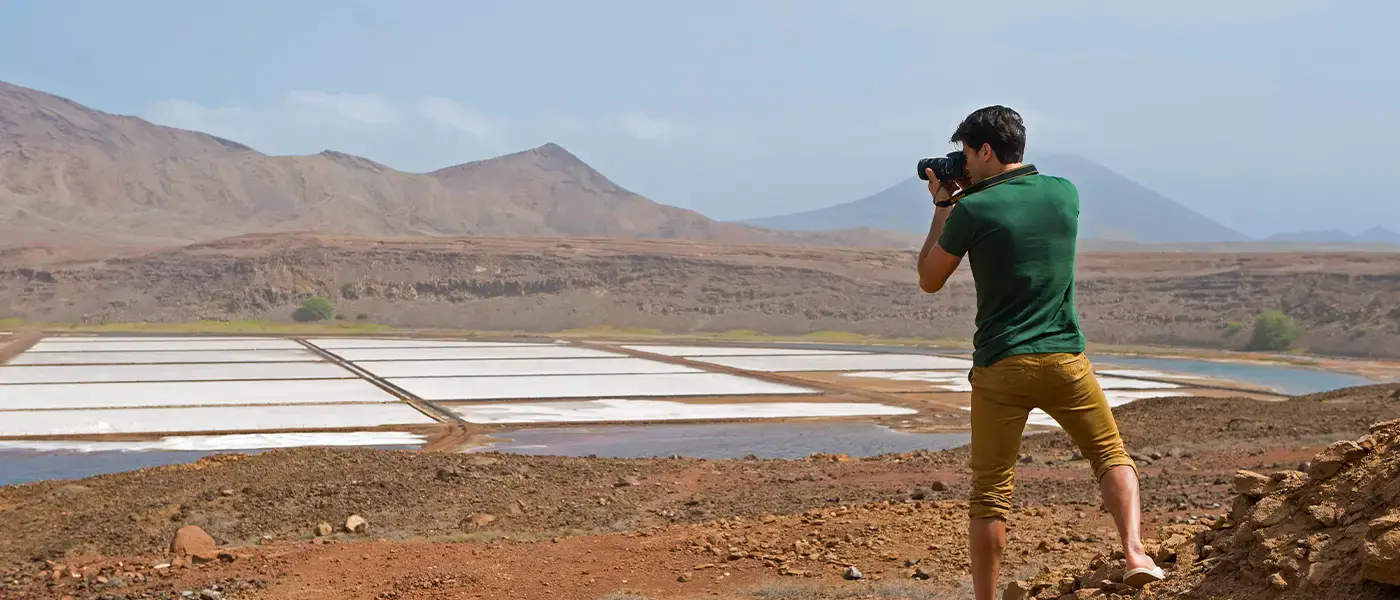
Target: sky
{"points": [[1266, 115]]}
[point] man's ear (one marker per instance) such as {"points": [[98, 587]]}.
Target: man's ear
{"points": [[985, 153]]}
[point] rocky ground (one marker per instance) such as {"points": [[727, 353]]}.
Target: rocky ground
{"points": [[287, 524], [1345, 303]]}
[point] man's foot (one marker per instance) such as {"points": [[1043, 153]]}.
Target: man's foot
{"points": [[1142, 576], [1141, 569]]}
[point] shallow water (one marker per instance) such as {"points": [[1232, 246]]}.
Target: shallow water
{"points": [[1287, 380], [23, 466], [733, 440]]}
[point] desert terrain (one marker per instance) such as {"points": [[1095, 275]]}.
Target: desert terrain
{"points": [[486, 525], [1344, 303]]}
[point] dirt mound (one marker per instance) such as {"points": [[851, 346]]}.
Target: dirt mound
{"points": [[1330, 532]]}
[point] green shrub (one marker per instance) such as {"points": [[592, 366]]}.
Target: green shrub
{"points": [[1233, 328], [317, 308], [1273, 330], [362, 317]]}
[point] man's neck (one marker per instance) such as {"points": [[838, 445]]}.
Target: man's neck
{"points": [[1005, 167]]}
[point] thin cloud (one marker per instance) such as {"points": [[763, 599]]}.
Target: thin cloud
{"points": [[447, 113]]}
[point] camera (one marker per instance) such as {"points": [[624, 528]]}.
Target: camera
{"points": [[953, 166]]}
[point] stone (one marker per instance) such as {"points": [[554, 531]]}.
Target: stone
{"points": [[938, 486], [356, 524], [1251, 484], [324, 529], [1335, 457], [1382, 561], [226, 492], [190, 539], [1319, 571], [482, 519], [921, 574], [683, 578], [1016, 590], [853, 574], [210, 595], [1268, 512], [1067, 585], [1325, 514], [628, 481], [1277, 582]]}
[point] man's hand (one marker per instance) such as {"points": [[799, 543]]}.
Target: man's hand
{"points": [[942, 191]]}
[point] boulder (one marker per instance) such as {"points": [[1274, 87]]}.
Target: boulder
{"points": [[190, 540], [1334, 458], [356, 524], [1251, 484], [324, 529], [1382, 561], [1016, 590]]}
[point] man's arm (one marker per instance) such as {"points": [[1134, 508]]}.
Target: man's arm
{"points": [[936, 265]]}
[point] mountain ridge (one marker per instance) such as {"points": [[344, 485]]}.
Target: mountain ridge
{"points": [[1112, 207], [71, 172]]}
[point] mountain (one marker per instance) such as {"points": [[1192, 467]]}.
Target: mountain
{"points": [[71, 173], [1374, 235], [1112, 207]]}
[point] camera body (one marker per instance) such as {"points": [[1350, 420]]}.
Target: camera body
{"points": [[946, 168]]}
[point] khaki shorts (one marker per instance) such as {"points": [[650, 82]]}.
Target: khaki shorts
{"points": [[1003, 394]]}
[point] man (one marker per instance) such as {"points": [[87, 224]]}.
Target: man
{"points": [[1019, 229]]}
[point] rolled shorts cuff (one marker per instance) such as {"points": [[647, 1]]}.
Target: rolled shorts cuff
{"points": [[986, 511], [1117, 461]]}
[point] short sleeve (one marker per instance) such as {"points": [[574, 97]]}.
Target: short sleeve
{"points": [[958, 231]]}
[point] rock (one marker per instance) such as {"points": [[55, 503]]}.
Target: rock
{"points": [[1016, 590], [1251, 484], [853, 574], [1277, 582], [1268, 512], [190, 539], [938, 486], [1067, 585], [683, 578], [210, 595], [1382, 561], [324, 529], [628, 481], [1319, 572], [1027, 459], [1325, 514], [1331, 460], [482, 519], [226, 492], [921, 574], [356, 524]]}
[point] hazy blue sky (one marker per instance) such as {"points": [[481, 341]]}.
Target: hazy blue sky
{"points": [[1267, 115]]}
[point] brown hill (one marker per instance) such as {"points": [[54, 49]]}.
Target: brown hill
{"points": [[71, 173]]}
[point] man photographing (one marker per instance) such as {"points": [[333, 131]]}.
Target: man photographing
{"points": [[1019, 230]]}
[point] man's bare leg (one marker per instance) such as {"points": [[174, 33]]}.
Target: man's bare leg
{"points": [[1119, 488], [986, 540]]}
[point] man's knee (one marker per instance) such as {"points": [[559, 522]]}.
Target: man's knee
{"points": [[991, 494], [1111, 459]]}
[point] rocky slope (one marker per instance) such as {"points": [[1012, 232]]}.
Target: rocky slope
{"points": [[1345, 303], [1332, 531], [72, 174]]}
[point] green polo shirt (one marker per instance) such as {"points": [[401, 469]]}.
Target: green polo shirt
{"points": [[1019, 230]]}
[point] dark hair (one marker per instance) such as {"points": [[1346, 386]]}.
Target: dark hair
{"points": [[996, 125]]}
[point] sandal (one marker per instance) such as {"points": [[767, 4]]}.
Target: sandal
{"points": [[1142, 576]]}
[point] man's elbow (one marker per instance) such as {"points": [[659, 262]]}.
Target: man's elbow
{"points": [[930, 286]]}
